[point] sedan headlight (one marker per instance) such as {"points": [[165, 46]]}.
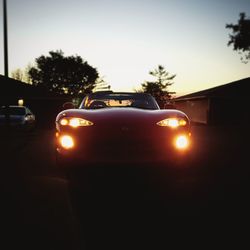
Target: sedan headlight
{"points": [[75, 122], [172, 122]]}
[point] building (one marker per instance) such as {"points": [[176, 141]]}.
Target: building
{"points": [[12, 90], [42, 102], [226, 104]]}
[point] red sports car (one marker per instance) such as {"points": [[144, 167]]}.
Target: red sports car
{"points": [[119, 127]]}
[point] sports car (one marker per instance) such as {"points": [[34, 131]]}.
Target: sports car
{"points": [[121, 127]]}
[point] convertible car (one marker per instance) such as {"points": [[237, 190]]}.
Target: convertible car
{"points": [[118, 127]]}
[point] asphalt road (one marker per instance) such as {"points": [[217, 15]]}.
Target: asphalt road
{"points": [[124, 208]]}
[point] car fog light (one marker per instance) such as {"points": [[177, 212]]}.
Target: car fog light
{"points": [[182, 142], [66, 142]]}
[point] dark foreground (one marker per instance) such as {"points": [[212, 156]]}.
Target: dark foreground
{"points": [[123, 207]]}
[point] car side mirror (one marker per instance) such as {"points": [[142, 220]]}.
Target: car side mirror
{"points": [[68, 105]]}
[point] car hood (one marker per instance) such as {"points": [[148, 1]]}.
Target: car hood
{"points": [[121, 114]]}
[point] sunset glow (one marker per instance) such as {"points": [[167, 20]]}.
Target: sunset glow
{"points": [[124, 40]]}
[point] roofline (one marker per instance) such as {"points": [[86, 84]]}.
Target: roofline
{"points": [[190, 98], [205, 92], [13, 106]]}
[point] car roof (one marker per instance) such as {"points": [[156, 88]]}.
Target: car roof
{"points": [[13, 106]]}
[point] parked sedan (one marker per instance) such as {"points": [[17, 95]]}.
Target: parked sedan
{"points": [[117, 127], [17, 117]]}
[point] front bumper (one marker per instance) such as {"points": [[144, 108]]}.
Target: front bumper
{"points": [[152, 146]]}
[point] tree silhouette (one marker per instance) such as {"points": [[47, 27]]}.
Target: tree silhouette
{"points": [[240, 39], [159, 87], [63, 75], [101, 85], [22, 74], [17, 74]]}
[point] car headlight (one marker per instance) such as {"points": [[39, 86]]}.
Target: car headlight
{"points": [[172, 122], [182, 142], [75, 122], [66, 142]]}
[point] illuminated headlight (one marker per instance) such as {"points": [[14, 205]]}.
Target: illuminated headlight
{"points": [[172, 122], [75, 122], [66, 141], [181, 142]]}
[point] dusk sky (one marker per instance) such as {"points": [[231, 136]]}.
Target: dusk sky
{"points": [[124, 40]]}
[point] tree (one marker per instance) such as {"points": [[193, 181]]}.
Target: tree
{"points": [[159, 87], [64, 75], [27, 77], [101, 85], [17, 74], [240, 39], [22, 75]]}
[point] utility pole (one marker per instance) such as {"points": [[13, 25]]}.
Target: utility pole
{"points": [[5, 30]]}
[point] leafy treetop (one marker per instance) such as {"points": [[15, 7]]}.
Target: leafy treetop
{"points": [[240, 37], [63, 75], [159, 87]]}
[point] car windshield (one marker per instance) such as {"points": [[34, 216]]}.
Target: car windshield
{"points": [[12, 110], [120, 100]]}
